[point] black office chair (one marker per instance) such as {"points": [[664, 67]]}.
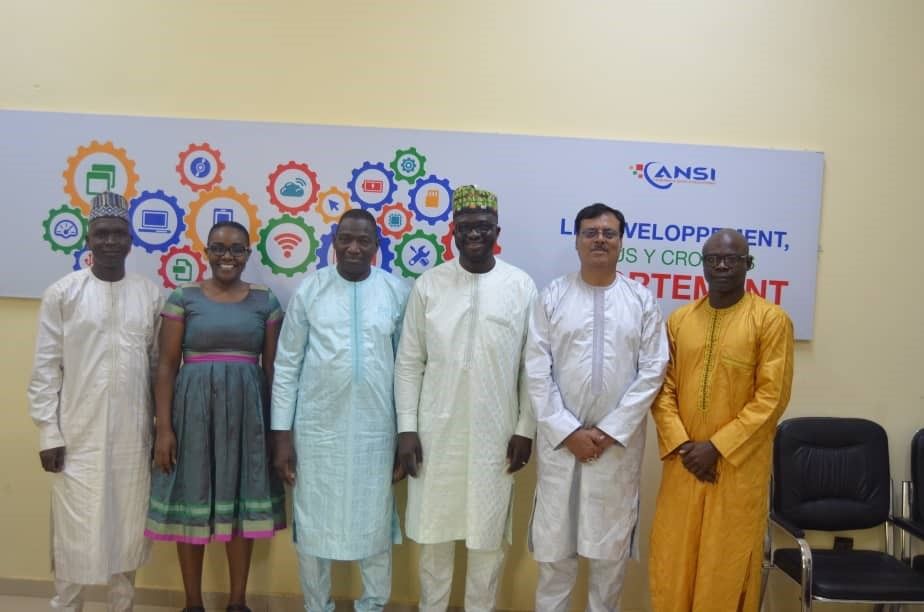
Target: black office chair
{"points": [[832, 474], [912, 519]]}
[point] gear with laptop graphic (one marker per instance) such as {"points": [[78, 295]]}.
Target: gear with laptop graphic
{"points": [[156, 221]]}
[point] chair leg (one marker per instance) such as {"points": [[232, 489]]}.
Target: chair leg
{"points": [[805, 579], [766, 564], [764, 578]]}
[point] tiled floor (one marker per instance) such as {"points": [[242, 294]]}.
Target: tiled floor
{"points": [[12, 603], [9, 603], [15, 603]]}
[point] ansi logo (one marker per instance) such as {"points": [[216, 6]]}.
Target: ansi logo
{"points": [[663, 176]]}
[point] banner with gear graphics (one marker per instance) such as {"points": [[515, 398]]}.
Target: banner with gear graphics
{"points": [[289, 184]]}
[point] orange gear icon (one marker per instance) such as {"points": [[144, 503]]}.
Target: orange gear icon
{"points": [[192, 232], [386, 228], [200, 148], [107, 148], [330, 217]]}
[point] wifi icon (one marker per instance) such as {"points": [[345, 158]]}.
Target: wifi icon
{"points": [[287, 242]]}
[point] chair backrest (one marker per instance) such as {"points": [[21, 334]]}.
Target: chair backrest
{"points": [[917, 475], [831, 474]]}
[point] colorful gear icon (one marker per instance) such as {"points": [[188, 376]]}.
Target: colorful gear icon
{"points": [[78, 259], [448, 241], [230, 193], [200, 148], [173, 252], [394, 208], [392, 187], [399, 251], [408, 165], [274, 196], [73, 162], [81, 229], [299, 267], [177, 211], [384, 252], [419, 211], [386, 256], [322, 197]]}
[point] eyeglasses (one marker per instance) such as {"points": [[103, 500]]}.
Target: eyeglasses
{"points": [[729, 261], [592, 232], [479, 228], [217, 249]]}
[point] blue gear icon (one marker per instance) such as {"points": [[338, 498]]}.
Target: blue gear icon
{"points": [[78, 255], [373, 184], [385, 254], [419, 209], [157, 223]]}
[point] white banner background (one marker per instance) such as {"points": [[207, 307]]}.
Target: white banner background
{"points": [[672, 195]]}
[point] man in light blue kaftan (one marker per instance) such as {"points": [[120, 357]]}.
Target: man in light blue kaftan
{"points": [[334, 417]]}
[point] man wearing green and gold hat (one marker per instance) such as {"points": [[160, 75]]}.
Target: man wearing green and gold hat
{"points": [[464, 419]]}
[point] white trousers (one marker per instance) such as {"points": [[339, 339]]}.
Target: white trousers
{"points": [[315, 578], [481, 578], [556, 581], [121, 593]]}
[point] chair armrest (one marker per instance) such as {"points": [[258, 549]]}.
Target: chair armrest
{"points": [[914, 528], [786, 525]]}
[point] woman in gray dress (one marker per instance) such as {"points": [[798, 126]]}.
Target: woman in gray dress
{"points": [[212, 478]]}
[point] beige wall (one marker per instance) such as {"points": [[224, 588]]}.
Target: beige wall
{"points": [[843, 77]]}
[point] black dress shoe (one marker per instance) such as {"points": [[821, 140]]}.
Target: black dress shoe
{"points": [[193, 609], [237, 608]]}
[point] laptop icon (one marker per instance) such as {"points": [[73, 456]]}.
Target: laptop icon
{"points": [[155, 221]]}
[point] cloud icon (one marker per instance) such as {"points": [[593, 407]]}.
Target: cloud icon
{"points": [[293, 188]]}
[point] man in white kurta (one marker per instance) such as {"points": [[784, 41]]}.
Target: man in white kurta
{"points": [[595, 359], [90, 396], [464, 417], [333, 389]]}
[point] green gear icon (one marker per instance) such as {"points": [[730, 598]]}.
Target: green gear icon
{"points": [[399, 252], [408, 165], [301, 266], [49, 222]]}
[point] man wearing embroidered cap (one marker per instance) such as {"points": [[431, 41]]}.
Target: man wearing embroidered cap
{"points": [[90, 396], [464, 419]]}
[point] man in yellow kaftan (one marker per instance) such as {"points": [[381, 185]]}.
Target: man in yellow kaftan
{"points": [[727, 384]]}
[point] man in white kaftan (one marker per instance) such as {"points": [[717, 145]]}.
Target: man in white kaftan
{"points": [[90, 396], [595, 359], [333, 387], [463, 413]]}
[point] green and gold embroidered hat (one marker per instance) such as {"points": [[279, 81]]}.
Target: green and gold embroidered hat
{"points": [[469, 197]]}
